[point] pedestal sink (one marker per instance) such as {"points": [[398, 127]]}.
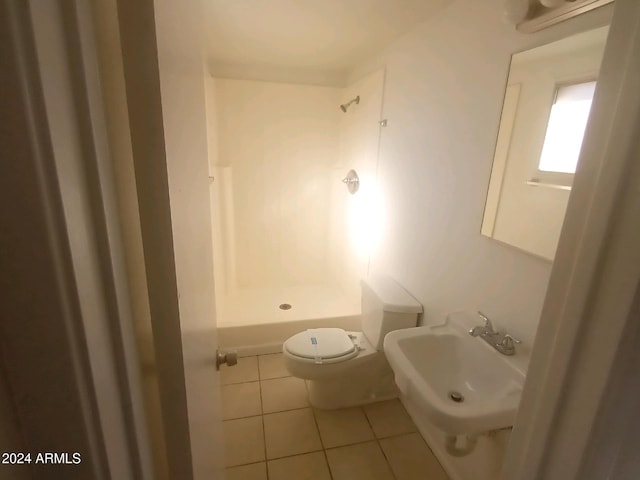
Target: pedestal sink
{"points": [[461, 384]]}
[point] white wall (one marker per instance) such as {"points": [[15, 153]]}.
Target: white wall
{"points": [[355, 219], [443, 95], [280, 141]]}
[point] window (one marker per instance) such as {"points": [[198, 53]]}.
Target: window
{"points": [[565, 132]]}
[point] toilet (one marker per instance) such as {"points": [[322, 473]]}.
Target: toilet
{"points": [[344, 369]]}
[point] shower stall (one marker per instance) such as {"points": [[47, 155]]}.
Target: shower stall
{"points": [[290, 241]]}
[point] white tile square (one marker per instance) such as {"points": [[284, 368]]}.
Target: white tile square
{"points": [[389, 418], [343, 427], [291, 433], [244, 441], [254, 471], [362, 461], [241, 400], [246, 370], [411, 459], [272, 366], [281, 394], [310, 466]]}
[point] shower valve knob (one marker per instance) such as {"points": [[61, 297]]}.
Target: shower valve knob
{"points": [[352, 181]]}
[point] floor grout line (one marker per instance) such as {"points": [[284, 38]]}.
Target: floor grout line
{"points": [[284, 411], [275, 378], [257, 380], [315, 419], [241, 418], [386, 459], [359, 442], [393, 474], [295, 455], [264, 431], [238, 383]]}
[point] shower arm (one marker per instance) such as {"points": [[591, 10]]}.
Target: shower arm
{"points": [[344, 106]]}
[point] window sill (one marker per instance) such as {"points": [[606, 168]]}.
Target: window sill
{"points": [[537, 183]]}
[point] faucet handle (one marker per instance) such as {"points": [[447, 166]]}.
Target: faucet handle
{"points": [[508, 341], [487, 323]]}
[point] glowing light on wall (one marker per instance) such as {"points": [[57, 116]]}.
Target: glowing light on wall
{"points": [[365, 219]]}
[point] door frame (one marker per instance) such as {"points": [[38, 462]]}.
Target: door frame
{"points": [[116, 443], [85, 350], [163, 63]]}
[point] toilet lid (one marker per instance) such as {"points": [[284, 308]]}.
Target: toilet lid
{"points": [[320, 343]]}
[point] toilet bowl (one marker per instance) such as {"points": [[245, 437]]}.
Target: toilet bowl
{"points": [[343, 368]]}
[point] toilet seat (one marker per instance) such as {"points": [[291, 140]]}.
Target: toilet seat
{"points": [[321, 345]]}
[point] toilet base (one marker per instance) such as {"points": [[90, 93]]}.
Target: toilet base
{"points": [[366, 383]]}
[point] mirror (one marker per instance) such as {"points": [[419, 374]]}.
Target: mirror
{"points": [[544, 115]]}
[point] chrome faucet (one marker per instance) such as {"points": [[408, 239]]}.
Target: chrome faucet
{"points": [[502, 342]]}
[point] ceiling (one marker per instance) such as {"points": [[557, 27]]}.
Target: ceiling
{"points": [[322, 35]]}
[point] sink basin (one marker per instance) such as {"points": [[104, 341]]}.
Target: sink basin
{"points": [[463, 385]]}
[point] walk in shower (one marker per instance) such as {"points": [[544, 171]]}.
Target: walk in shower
{"points": [[290, 241]]}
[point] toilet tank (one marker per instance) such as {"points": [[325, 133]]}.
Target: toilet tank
{"points": [[386, 306]]}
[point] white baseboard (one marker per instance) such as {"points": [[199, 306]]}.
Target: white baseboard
{"points": [[264, 349]]}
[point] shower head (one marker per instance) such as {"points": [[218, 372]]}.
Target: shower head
{"points": [[344, 106]]}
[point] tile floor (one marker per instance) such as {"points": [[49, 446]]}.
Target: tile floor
{"points": [[272, 433]]}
